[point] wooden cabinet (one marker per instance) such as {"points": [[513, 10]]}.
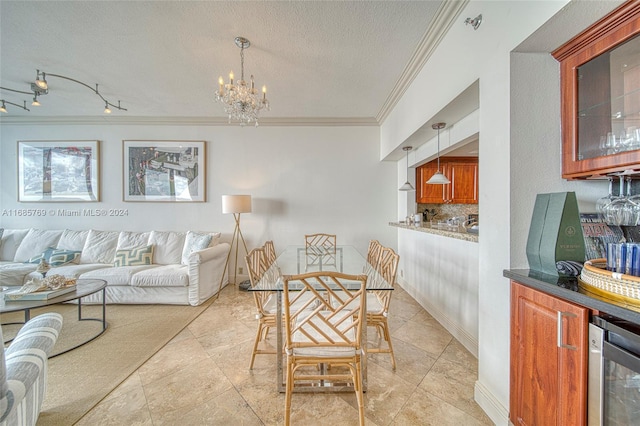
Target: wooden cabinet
{"points": [[548, 359], [600, 93], [461, 171]]}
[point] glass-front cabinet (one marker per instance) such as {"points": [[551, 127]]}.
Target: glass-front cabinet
{"points": [[600, 80]]}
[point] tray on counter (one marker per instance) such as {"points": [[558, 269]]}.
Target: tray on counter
{"points": [[620, 288]]}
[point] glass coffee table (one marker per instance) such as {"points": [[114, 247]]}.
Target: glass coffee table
{"points": [[84, 287]]}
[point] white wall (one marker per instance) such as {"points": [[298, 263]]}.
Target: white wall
{"points": [[302, 180], [464, 56], [535, 92], [441, 273]]}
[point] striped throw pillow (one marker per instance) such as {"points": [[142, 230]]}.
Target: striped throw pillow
{"points": [[134, 257]]}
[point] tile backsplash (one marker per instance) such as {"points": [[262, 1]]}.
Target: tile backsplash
{"points": [[446, 211]]}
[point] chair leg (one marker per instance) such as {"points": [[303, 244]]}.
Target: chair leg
{"points": [[255, 345], [288, 392], [359, 393], [387, 337]]}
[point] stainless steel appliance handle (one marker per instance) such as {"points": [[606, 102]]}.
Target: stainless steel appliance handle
{"points": [[620, 356], [595, 385], [560, 334]]}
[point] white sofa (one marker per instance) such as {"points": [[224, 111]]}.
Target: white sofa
{"points": [[163, 267]]}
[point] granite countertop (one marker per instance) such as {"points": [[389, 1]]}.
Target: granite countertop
{"points": [[426, 228], [567, 288]]}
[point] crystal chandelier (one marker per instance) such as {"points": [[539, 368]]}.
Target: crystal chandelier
{"points": [[241, 100]]}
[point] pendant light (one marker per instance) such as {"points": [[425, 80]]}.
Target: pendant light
{"points": [[407, 185], [438, 177]]}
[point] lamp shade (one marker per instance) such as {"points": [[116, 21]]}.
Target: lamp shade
{"points": [[236, 204], [437, 178], [407, 187]]}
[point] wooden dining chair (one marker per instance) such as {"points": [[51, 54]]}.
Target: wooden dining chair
{"points": [[257, 266], [270, 252], [373, 254], [323, 333], [320, 249], [378, 302]]}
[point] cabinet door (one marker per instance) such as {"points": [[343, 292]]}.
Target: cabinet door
{"points": [[599, 93], [464, 182], [548, 359], [427, 193]]}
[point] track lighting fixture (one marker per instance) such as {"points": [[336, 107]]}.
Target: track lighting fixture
{"points": [[3, 108], [42, 84], [40, 87]]}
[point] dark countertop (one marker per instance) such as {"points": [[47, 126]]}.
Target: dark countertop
{"points": [[567, 288]]}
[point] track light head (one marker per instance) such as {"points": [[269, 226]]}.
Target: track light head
{"points": [[42, 84]]}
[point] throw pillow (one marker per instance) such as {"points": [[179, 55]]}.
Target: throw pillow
{"points": [[61, 257], [100, 247], [193, 242], [134, 257], [36, 241], [44, 255], [168, 246], [56, 257]]}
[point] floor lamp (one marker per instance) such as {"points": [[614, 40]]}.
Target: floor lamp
{"points": [[235, 204]]}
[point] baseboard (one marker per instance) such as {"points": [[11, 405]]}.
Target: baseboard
{"points": [[490, 405], [461, 335]]}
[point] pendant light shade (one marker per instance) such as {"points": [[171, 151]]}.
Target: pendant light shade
{"points": [[438, 177], [407, 185]]}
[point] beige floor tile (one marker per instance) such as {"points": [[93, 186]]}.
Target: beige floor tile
{"points": [[171, 358], [186, 388], [425, 409], [228, 408], [453, 383], [412, 363], [121, 408], [432, 338]]}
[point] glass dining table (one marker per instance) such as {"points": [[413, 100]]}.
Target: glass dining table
{"points": [[296, 260]]}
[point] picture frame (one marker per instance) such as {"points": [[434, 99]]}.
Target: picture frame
{"points": [[59, 171], [164, 171]]}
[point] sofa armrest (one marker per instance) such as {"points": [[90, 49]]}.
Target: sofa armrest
{"points": [[26, 361], [205, 272]]}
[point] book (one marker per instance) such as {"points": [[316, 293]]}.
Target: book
{"points": [[597, 234], [17, 295]]}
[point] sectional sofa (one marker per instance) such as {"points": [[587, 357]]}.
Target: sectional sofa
{"points": [[163, 267]]}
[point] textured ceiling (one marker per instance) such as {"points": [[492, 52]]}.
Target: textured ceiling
{"points": [[319, 59]]}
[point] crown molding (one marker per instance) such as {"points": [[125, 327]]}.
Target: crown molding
{"points": [[446, 15], [184, 121]]}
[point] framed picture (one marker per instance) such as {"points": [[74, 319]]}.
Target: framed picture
{"points": [[164, 171], [58, 171]]}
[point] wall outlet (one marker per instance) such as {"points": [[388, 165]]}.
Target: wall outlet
{"points": [[240, 270], [402, 273]]}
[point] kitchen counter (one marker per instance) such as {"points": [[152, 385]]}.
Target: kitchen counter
{"points": [[567, 288], [424, 227]]}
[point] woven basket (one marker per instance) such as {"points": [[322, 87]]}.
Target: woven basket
{"points": [[620, 288]]}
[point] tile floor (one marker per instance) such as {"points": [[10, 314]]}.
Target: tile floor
{"points": [[202, 377]]}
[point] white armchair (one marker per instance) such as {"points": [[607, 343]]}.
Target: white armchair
{"points": [[23, 370]]}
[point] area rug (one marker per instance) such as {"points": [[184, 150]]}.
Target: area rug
{"points": [[79, 379]]}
